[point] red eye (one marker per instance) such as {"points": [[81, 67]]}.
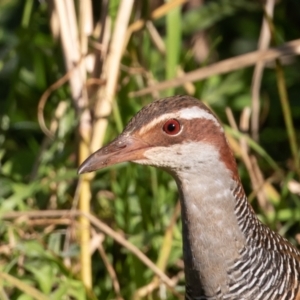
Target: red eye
{"points": [[171, 127]]}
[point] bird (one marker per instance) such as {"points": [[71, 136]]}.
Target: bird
{"points": [[228, 252]]}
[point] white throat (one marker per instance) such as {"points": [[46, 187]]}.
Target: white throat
{"points": [[211, 234]]}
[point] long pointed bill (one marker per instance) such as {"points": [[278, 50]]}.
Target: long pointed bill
{"points": [[123, 148]]}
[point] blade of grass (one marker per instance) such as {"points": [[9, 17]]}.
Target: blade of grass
{"points": [[281, 85], [27, 13], [173, 23]]}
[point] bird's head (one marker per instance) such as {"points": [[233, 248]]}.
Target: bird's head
{"points": [[178, 134]]}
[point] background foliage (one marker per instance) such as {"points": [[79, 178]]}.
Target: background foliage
{"points": [[39, 254]]}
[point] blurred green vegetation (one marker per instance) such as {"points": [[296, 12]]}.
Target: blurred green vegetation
{"points": [[38, 173]]}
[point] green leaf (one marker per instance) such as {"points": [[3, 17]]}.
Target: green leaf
{"points": [[26, 288]]}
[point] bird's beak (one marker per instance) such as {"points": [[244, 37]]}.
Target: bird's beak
{"points": [[123, 148]]}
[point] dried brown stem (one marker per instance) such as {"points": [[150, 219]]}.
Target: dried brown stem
{"points": [[251, 164], [22, 216], [105, 95], [225, 66], [43, 101], [263, 44], [110, 269], [74, 45]]}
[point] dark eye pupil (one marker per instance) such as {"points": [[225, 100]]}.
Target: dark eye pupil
{"points": [[171, 127]]}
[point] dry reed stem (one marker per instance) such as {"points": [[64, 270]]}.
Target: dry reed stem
{"points": [[262, 187], [225, 66], [97, 224], [85, 23], [252, 167], [47, 222], [106, 95], [154, 285], [103, 31], [155, 37], [85, 29], [263, 44], [230, 118], [53, 21], [256, 177], [244, 126], [69, 39], [234, 145], [237, 149], [73, 51], [146, 290]]}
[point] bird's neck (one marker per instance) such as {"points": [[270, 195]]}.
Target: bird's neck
{"points": [[212, 235]]}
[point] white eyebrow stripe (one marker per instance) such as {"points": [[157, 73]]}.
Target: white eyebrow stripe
{"points": [[188, 113], [197, 113]]}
